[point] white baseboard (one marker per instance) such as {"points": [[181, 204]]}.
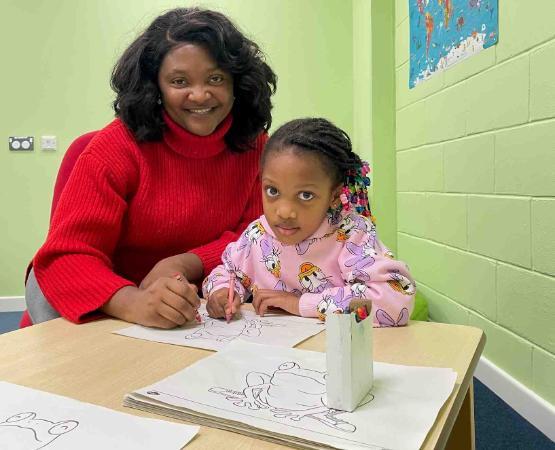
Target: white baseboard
{"points": [[12, 304], [528, 404]]}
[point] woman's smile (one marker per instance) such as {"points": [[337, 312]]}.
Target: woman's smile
{"points": [[200, 111]]}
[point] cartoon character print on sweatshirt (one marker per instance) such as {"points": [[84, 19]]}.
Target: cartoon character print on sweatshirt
{"points": [[332, 304], [363, 255], [352, 223], [302, 247], [385, 320], [270, 257], [251, 236], [339, 302], [334, 216], [209, 282], [401, 284], [364, 224], [281, 286], [244, 279], [226, 259], [358, 290], [312, 278], [358, 276], [240, 276], [345, 228]]}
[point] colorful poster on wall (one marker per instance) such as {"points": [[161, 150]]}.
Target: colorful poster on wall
{"points": [[445, 32]]}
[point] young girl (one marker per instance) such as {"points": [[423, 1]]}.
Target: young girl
{"points": [[315, 248]]}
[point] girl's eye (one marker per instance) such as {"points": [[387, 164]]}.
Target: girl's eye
{"points": [[179, 82], [216, 79], [271, 191], [306, 196]]}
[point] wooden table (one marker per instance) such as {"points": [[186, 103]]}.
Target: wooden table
{"points": [[88, 363]]}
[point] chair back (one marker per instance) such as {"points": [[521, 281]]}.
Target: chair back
{"points": [[68, 161]]}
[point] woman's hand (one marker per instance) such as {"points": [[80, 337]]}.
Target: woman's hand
{"points": [[166, 303], [266, 298], [217, 306], [187, 264]]}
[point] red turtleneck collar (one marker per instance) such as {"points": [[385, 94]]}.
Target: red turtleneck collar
{"points": [[192, 146]]}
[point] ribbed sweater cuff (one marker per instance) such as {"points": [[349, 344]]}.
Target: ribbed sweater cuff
{"points": [[210, 255], [82, 295], [92, 311], [308, 303]]}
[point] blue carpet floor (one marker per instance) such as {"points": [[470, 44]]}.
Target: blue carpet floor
{"points": [[9, 321], [498, 426]]}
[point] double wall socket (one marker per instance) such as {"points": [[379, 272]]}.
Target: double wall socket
{"points": [[21, 143]]}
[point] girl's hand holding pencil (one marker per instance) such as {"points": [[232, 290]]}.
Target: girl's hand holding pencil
{"points": [[217, 305]]}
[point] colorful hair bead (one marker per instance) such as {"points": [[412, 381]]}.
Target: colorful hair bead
{"points": [[354, 194]]}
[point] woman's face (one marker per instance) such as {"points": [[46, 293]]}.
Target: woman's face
{"points": [[196, 93]]}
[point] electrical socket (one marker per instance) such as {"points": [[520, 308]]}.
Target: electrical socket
{"points": [[21, 143], [48, 142]]}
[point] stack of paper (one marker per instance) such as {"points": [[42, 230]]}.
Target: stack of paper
{"points": [[279, 394]]}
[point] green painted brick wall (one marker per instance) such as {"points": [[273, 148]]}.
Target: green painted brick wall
{"points": [[382, 81], [476, 189]]}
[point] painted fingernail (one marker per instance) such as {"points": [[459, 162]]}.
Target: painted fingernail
{"points": [[198, 318]]}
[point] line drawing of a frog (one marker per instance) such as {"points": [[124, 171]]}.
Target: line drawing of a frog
{"points": [[25, 429], [220, 331], [291, 392]]}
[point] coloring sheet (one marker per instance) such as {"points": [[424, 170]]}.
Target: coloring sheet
{"points": [[215, 334], [32, 420], [280, 394]]}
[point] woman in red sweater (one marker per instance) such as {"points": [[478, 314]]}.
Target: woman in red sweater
{"points": [[157, 194]]}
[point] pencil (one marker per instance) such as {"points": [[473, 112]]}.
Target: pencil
{"points": [[179, 277], [230, 295]]}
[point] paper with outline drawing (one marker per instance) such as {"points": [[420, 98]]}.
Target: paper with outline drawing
{"points": [[31, 420], [278, 393], [215, 334]]}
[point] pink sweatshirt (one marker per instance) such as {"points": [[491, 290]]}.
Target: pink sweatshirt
{"points": [[337, 263]]}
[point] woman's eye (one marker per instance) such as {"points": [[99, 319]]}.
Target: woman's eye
{"points": [[306, 196], [271, 191], [216, 79], [179, 82]]}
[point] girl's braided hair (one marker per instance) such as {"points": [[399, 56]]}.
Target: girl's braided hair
{"points": [[334, 149]]}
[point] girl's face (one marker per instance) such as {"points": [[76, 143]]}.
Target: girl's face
{"points": [[196, 93], [296, 194]]}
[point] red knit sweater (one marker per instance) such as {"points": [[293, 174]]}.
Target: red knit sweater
{"points": [[126, 206]]}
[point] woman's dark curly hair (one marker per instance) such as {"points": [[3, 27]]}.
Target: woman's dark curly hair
{"points": [[135, 75]]}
